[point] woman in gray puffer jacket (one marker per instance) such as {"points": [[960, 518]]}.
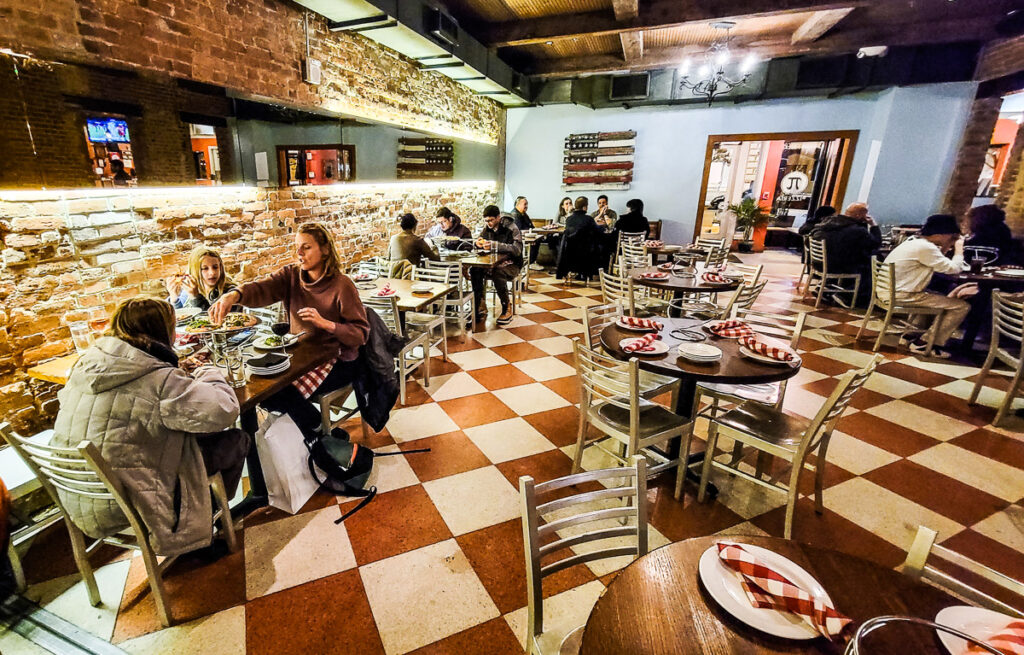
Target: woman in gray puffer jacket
{"points": [[152, 422]]}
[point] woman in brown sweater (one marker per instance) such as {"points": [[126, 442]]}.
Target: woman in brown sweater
{"points": [[320, 300]]}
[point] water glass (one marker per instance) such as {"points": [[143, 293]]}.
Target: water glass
{"points": [[234, 367], [81, 335]]}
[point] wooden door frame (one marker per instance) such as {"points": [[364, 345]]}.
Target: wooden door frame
{"points": [[845, 164], [282, 151]]}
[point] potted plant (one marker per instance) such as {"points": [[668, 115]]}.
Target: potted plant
{"points": [[749, 216]]}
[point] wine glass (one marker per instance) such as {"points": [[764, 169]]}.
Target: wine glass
{"points": [[281, 324]]}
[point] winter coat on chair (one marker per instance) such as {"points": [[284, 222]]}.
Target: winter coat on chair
{"points": [[583, 247], [145, 415], [375, 384]]}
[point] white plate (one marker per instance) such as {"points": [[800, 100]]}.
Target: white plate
{"points": [[186, 313], [660, 348], [699, 352], [1011, 272], [625, 326], [261, 344], [723, 584], [421, 288], [765, 359], [979, 623], [364, 277]]}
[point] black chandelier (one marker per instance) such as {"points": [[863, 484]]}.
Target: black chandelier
{"points": [[711, 80]]}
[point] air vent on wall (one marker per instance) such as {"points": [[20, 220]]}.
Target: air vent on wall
{"points": [[442, 27], [630, 87]]}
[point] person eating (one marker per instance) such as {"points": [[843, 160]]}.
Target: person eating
{"points": [[501, 237], [320, 301], [409, 246], [205, 281]]}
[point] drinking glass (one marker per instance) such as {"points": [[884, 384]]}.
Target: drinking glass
{"points": [[976, 264], [281, 324], [81, 335], [234, 366]]}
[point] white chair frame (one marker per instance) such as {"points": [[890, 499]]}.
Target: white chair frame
{"points": [[633, 516], [883, 296], [406, 362], [817, 254], [1008, 323], [458, 305], [431, 321]]}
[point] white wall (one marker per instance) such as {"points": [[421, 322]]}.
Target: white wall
{"points": [[919, 129]]}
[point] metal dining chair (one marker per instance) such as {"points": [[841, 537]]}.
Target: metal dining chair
{"points": [[544, 536], [431, 322], [458, 304], [790, 438], [1008, 327], [883, 296], [710, 243], [822, 280], [611, 401], [751, 273], [917, 567], [406, 360], [744, 297], [82, 475]]}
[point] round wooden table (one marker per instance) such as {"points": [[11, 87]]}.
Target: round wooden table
{"points": [[680, 285], [657, 605]]}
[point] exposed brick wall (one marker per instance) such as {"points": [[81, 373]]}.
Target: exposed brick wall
{"points": [[255, 47], [1011, 187], [1001, 58], [73, 255], [970, 157]]}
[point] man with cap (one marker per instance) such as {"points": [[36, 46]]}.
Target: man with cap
{"points": [[916, 260]]}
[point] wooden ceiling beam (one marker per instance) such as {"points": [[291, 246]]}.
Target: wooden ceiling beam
{"points": [[658, 13], [979, 29], [626, 9], [632, 46], [820, 22]]}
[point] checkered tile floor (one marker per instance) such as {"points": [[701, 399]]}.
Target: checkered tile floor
{"points": [[435, 565]]}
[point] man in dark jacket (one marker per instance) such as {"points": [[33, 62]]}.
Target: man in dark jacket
{"points": [[581, 248], [850, 239], [634, 220], [501, 237], [524, 223]]}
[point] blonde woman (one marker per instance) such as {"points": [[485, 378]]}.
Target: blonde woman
{"points": [[205, 282], [320, 301], [162, 430]]}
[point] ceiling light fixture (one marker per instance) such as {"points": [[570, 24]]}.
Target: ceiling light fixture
{"points": [[711, 80]]}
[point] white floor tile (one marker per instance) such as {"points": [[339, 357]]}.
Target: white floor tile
{"points": [[554, 345], [411, 423], [493, 338], [503, 441], [455, 385], [470, 360], [999, 479], [545, 368], [530, 398], [494, 499], [565, 328], [563, 613], [920, 419], [1006, 527], [66, 597], [222, 633], [856, 456]]}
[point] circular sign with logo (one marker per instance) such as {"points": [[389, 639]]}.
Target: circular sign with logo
{"points": [[794, 183]]}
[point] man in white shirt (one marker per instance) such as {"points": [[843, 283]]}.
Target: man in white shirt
{"points": [[916, 260]]}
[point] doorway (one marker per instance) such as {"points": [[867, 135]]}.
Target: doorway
{"points": [[789, 174]]}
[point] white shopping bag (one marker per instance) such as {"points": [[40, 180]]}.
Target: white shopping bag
{"points": [[285, 462]]}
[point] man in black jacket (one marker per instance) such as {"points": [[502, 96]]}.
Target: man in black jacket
{"points": [[501, 237], [524, 223], [850, 239], [634, 220]]}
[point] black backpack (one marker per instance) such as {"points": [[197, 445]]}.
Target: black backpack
{"points": [[346, 466]]}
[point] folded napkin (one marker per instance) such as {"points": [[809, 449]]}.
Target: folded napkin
{"points": [[708, 276], [760, 347], [386, 290], [1010, 640], [641, 344], [648, 323], [654, 244], [767, 588], [654, 276], [666, 266], [731, 328]]}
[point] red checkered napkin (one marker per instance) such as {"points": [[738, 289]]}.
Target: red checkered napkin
{"points": [[667, 266], [654, 244], [768, 350], [731, 328], [767, 588], [650, 275], [708, 276], [641, 344], [386, 291], [645, 323], [1010, 640]]}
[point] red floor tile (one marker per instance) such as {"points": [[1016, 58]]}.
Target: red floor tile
{"points": [[393, 523], [548, 317], [193, 587], [951, 498], [533, 332], [449, 454], [455, 345], [440, 367], [551, 305], [567, 387], [50, 555], [329, 615], [994, 445], [415, 394], [494, 553], [500, 377], [825, 365], [685, 518], [913, 374], [884, 434], [541, 467], [991, 553], [953, 407], [560, 426], [472, 411], [494, 637], [517, 352], [559, 295]]}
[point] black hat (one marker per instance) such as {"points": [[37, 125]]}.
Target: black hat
{"points": [[940, 224]]}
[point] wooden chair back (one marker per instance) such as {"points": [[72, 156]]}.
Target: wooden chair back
{"points": [[541, 539]]}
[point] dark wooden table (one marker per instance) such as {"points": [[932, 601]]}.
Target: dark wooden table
{"points": [[680, 285], [733, 368], [657, 605], [981, 304], [307, 354], [669, 251]]}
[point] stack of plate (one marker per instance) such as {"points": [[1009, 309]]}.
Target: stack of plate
{"points": [[269, 364], [702, 353], [422, 287]]}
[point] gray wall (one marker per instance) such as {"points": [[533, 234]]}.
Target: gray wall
{"points": [[263, 136]]}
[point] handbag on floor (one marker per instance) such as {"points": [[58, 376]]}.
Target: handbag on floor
{"points": [[344, 466], [283, 457]]}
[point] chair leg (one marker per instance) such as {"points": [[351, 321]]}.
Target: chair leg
{"points": [[819, 484], [581, 437], [444, 340], [426, 364], [883, 330], [16, 568], [82, 562], [1011, 393], [821, 292], [709, 457], [681, 468], [867, 317], [402, 378], [985, 368], [156, 582], [931, 333], [220, 493]]}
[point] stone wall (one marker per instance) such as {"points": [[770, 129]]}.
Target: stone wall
{"points": [[254, 47], [1011, 188], [73, 255], [970, 156]]}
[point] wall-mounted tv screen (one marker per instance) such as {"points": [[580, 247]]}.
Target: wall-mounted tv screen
{"points": [[105, 130]]}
